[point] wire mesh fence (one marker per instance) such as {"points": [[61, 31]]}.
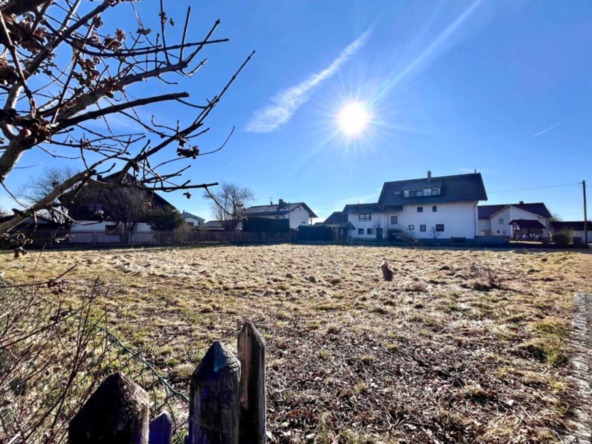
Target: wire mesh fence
{"points": [[54, 354]]}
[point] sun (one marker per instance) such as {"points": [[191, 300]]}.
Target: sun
{"points": [[353, 119]]}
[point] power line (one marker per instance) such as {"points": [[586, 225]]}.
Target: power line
{"points": [[536, 188]]}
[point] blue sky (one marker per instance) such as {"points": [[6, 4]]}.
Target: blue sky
{"points": [[500, 86]]}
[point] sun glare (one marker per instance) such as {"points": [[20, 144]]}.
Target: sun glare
{"points": [[353, 119]]}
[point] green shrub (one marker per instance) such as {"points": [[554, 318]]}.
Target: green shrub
{"points": [[563, 238], [164, 219]]}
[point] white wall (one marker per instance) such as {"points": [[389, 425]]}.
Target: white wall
{"points": [[299, 216], [94, 232], [580, 234], [485, 227], [363, 224], [193, 221], [499, 223], [459, 220]]}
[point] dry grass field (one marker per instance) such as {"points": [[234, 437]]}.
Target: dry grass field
{"points": [[462, 346]]}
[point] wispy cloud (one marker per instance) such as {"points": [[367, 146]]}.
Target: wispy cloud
{"points": [[548, 129], [285, 103]]}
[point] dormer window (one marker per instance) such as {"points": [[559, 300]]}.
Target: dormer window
{"points": [[421, 192]]}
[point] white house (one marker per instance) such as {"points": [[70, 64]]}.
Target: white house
{"points": [[297, 213], [514, 219], [430, 208], [192, 220]]}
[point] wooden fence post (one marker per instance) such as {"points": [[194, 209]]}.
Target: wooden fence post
{"points": [[161, 429], [116, 413], [214, 398], [251, 354]]}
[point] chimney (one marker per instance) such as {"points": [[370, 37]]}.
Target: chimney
{"points": [[429, 176], [521, 202], [281, 204]]}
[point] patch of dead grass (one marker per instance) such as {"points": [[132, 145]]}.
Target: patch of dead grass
{"points": [[352, 358]]}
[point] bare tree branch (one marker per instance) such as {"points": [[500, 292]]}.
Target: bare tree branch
{"points": [[81, 71]]}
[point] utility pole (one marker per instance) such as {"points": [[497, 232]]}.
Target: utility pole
{"points": [[585, 215]]}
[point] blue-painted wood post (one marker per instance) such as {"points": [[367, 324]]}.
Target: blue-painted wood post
{"points": [[214, 398], [161, 429]]}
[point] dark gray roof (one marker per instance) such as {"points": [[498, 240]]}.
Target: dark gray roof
{"points": [[337, 217], [362, 208], [277, 209], [571, 225], [527, 224], [458, 188], [538, 208]]}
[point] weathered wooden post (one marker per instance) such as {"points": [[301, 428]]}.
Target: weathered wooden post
{"points": [[116, 413], [161, 429], [214, 398], [251, 354]]}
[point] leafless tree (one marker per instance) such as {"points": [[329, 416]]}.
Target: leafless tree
{"points": [[434, 232], [61, 68], [229, 203], [43, 183]]}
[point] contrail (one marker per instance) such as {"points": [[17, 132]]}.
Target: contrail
{"points": [[547, 129], [285, 103]]}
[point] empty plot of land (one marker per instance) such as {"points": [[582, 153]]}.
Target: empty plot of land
{"points": [[462, 346]]}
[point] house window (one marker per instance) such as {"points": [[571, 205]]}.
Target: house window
{"points": [[420, 209], [394, 220], [422, 228], [191, 224], [435, 191], [365, 216], [500, 221], [434, 209], [110, 228], [440, 227], [411, 227], [370, 231], [360, 231]]}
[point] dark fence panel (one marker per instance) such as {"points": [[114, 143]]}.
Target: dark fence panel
{"points": [[52, 238], [262, 225], [315, 233]]}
